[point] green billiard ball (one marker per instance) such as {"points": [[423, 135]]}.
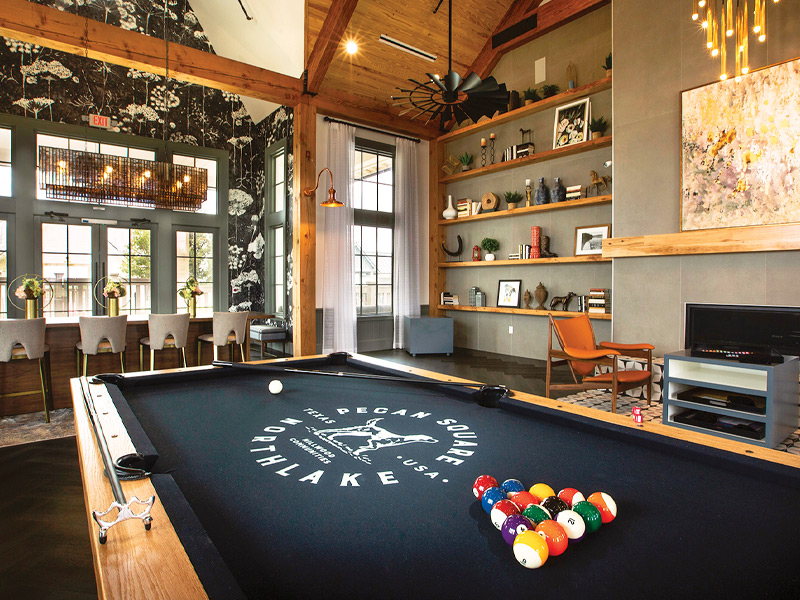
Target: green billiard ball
{"points": [[591, 516], [537, 514]]}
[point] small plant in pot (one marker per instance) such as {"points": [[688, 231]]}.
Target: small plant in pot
{"points": [[549, 90], [531, 96], [598, 127], [466, 161], [607, 65], [512, 198], [490, 246]]}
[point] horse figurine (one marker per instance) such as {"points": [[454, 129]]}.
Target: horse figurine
{"points": [[562, 300], [599, 182]]}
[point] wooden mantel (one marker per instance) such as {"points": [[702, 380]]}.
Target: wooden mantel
{"points": [[768, 238]]}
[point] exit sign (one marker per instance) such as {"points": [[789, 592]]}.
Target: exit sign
{"points": [[100, 121]]}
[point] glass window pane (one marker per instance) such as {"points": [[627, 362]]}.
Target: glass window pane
{"points": [[139, 297], [140, 268], [5, 145], [118, 268], [385, 198], [52, 141], [206, 300], [54, 267], [80, 238], [5, 180], [357, 193], [279, 167], [357, 238], [369, 200], [80, 297], [384, 298], [278, 241], [368, 270], [357, 165], [384, 241], [79, 267], [385, 266], [368, 240], [3, 265], [278, 268], [280, 197], [142, 154], [178, 159], [84, 145], [385, 170], [209, 206], [118, 240], [279, 299], [210, 166], [183, 269], [183, 243], [54, 237], [204, 244], [113, 150], [140, 242], [204, 270]]}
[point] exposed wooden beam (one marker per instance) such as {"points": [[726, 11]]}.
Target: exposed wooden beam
{"points": [[67, 32], [304, 230], [549, 16], [327, 42]]}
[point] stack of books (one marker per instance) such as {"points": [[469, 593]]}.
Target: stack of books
{"points": [[514, 256], [518, 151], [599, 300], [464, 207], [448, 299], [574, 192]]}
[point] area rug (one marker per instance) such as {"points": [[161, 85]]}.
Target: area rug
{"points": [[31, 427]]}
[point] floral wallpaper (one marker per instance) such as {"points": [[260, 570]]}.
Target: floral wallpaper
{"points": [[47, 84]]}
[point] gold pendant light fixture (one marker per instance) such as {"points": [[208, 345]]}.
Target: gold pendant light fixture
{"points": [[725, 20]]}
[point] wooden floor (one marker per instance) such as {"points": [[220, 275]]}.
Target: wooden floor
{"points": [[44, 540]]}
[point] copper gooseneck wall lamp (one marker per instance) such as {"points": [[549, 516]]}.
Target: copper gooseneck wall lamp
{"points": [[331, 201]]}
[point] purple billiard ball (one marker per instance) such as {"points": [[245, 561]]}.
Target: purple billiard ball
{"points": [[490, 497], [513, 526]]}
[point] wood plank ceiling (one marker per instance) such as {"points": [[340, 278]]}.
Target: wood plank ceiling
{"points": [[377, 69]]}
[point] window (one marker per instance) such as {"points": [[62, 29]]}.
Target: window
{"points": [[195, 258], [128, 252], [5, 162], [210, 204], [373, 177], [275, 218], [67, 265], [54, 141], [3, 267]]}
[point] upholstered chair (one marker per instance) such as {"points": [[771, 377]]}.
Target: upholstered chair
{"points": [[228, 328], [273, 331], [166, 331], [23, 339], [101, 335]]}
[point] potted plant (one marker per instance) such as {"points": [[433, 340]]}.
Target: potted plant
{"points": [[512, 198], [466, 160], [531, 96], [490, 245], [114, 290], [189, 292], [31, 290], [607, 65], [597, 127], [550, 89]]}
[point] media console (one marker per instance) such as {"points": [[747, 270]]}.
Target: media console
{"points": [[752, 403]]}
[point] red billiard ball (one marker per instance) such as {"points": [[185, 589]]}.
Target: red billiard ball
{"points": [[501, 510], [524, 499], [571, 496], [605, 504], [483, 483], [554, 535]]}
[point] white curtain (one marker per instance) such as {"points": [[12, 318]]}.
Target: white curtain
{"points": [[338, 304], [406, 238]]}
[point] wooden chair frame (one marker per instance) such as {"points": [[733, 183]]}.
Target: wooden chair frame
{"points": [[604, 354]]}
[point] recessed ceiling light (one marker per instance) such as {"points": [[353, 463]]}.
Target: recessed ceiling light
{"points": [[351, 47]]}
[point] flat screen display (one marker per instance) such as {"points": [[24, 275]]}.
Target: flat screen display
{"points": [[761, 327]]}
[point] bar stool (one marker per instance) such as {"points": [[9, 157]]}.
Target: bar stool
{"points": [[228, 328], [271, 332], [101, 335], [24, 339], [166, 331]]}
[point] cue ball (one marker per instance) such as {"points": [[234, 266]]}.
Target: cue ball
{"points": [[275, 387]]}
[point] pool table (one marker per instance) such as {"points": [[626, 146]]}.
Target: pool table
{"points": [[351, 487]]}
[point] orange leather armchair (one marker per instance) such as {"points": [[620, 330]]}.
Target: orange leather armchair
{"points": [[583, 355]]}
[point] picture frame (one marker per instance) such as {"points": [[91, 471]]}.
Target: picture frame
{"points": [[589, 239], [508, 295], [572, 123]]}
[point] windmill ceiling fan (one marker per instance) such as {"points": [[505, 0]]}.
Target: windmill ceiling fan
{"points": [[451, 96]]}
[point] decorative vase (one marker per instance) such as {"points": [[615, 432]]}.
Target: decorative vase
{"points": [[513, 100], [192, 304], [450, 212], [558, 193], [31, 308], [465, 167], [489, 257], [542, 194], [113, 307], [526, 298], [540, 295]]}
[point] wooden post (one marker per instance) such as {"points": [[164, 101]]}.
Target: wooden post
{"points": [[437, 278], [304, 229]]}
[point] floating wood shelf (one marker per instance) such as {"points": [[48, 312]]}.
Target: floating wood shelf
{"points": [[594, 258], [525, 210], [580, 92], [769, 238], [530, 312], [529, 160]]}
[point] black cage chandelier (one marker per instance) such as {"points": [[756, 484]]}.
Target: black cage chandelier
{"points": [[92, 178]]}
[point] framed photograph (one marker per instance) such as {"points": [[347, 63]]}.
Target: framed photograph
{"points": [[508, 293], [572, 123], [589, 239], [739, 163]]}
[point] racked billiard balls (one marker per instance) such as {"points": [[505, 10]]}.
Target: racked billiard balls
{"points": [[554, 505], [554, 535], [605, 504], [536, 513], [571, 496], [524, 499], [483, 483], [512, 486], [530, 549], [590, 514], [513, 526], [572, 523], [492, 496], [542, 490], [501, 510]]}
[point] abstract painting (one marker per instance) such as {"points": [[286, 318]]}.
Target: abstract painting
{"points": [[740, 156]]}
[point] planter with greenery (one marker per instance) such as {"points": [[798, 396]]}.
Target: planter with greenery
{"points": [[549, 90], [512, 198], [607, 65], [531, 96], [466, 160], [598, 127], [490, 245]]}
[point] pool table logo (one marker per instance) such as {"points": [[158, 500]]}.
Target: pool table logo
{"points": [[295, 448]]}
